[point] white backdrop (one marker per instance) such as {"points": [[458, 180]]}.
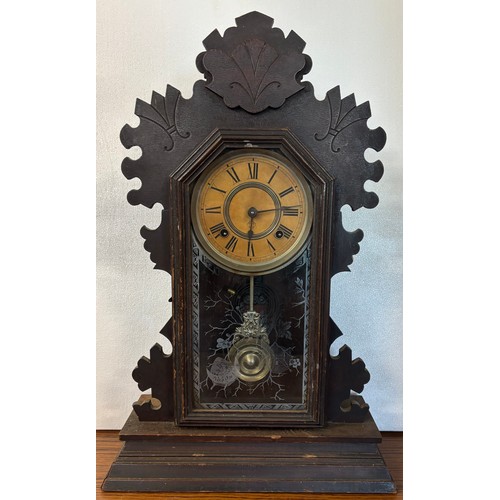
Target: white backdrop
{"points": [[142, 46]]}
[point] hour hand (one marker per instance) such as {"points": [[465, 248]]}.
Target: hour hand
{"points": [[250, 231], [250, 250]]}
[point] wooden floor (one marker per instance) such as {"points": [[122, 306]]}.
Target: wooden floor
{"points": [[108, 446]]}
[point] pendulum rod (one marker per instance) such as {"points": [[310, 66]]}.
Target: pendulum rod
{"points": [[251, 355], [251, 292]]}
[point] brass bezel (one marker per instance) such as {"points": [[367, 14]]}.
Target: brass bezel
{"points": [[252, 268]]}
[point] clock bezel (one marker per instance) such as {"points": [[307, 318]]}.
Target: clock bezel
{"points": [[248, 268]]}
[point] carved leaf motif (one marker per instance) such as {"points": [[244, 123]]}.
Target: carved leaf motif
{"points": [[343, 114], [254, 76], [254, 59], [161, 112], [156, 135]]}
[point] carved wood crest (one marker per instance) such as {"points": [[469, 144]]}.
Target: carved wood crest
{"points": [[254, 66]]}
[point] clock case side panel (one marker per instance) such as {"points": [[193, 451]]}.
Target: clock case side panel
{"points": [[322, 183]]}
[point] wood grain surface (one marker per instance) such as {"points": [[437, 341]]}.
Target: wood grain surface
{"points": [[108, 446]]}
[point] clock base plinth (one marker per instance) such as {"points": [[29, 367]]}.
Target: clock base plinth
{"points": [[337, 458]]}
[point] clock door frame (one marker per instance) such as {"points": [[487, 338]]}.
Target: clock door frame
{"points": [[220, 142]]}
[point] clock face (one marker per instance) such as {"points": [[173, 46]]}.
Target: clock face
{"points": [[252, 212]]}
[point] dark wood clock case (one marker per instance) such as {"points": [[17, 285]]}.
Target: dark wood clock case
{"points": [[185, 435]]}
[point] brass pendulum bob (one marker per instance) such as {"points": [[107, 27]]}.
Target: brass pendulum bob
{"points": [[250, 354]]}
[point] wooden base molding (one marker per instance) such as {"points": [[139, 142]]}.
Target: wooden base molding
{"points": [[161, 457]]}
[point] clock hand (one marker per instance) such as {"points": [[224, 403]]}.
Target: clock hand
{"points": [[250, 231], [277, 209]]}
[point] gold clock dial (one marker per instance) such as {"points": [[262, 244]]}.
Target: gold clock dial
{"points": [[252, 211]]}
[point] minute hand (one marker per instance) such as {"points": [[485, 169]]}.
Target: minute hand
{"points": [[277, 209]]}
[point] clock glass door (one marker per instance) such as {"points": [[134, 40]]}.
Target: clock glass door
{"points": [[251, 360], [257, 377]]}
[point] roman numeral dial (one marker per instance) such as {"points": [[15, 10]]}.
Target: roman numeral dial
{"points": [[251, 211]]}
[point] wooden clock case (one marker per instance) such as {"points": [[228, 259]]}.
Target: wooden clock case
{"points": [[252, 96]]}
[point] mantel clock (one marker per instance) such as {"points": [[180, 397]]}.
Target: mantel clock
{"points": [[252, 172]]}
